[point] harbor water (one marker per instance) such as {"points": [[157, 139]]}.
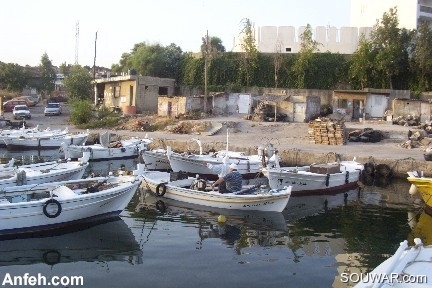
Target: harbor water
{"points": [[317, 241]]}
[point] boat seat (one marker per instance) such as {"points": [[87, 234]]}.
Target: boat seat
{"points": [[63, 192]]}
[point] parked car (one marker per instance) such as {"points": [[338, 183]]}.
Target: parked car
{"points": [[53, 109], [57, 99], [21, 112], [31, 101], [9, 105]]}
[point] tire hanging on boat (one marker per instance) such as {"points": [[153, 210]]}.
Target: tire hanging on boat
{"points": [[158, 189], [160, 206], [52, 201]]}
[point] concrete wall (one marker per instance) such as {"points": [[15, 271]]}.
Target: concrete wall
{"points": [[404, 107]]}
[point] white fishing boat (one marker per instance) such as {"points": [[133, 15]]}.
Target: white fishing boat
{"points": [[248, 165], [46, 206], [316, 178], [108, 150], [45, 142], [410, 266], [156, 159], [197, 191], [29, 132], [40, 173]]}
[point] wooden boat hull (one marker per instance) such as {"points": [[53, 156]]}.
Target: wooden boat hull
{"points": [[271, 201], [43, 143], [129, 149], [197, 164], [39, 174], [408, 267], [156, 160], [424, 187], [304, 182], [17, 217]]}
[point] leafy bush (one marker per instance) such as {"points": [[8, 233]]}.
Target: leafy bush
{"points": [[81, 112]]}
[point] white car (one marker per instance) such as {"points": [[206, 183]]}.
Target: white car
{"points": [[21, 112], [53, 109]]}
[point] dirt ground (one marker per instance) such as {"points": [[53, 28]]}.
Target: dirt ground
{"points": [[290, 139]]}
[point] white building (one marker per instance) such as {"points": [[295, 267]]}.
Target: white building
{"points": [[410, 12], [344, 40]]}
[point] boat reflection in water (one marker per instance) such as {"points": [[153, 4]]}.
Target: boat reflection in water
{"points": [[422, 228], [236, 227], [104, 241], [29, 156], [303, 206]]}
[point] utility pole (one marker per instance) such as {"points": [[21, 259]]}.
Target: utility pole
{"points": [[76, 42], [94, 75], [206, 72], [94, 61]]}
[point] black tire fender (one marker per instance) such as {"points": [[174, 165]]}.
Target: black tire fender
{"points": [[52, 201], [158, 189]]}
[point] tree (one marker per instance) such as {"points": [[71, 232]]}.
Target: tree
{"points": [[65, 68], [303, 63], [210, 48], [215, 46], [48, 75], [277, 59], [13, 77], [79, 84], [362, 64], [250, 54], [422, 55], [386, 41]]}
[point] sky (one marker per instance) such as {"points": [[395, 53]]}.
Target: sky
{"points": [[30, 28]]}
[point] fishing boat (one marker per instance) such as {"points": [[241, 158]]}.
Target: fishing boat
{"points": [[156, 159], [248, 165], [197, 191], [423, 186], [42, 142], [47, 206], [410, 266], [108, 150], [316, 178], [29, 132], [39, 173]]}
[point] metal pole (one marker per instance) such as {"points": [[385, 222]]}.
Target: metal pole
{"points": [[205, 73]]}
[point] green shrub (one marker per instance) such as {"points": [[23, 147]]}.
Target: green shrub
{"points": [[81, 112]]}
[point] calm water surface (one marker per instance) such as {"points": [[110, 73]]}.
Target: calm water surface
{"points": [[163, 243]]}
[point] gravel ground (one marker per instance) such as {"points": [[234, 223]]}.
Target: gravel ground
{"points": [[288, 137]]}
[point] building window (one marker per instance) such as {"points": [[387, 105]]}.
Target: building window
{"points": [[288, 49], [116, 91], [163, 91], [342, 103]]}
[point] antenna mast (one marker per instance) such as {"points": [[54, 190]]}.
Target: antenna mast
{"points": [[76, 42]]}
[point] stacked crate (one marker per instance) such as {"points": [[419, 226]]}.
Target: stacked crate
{"points": [[327, 132]]}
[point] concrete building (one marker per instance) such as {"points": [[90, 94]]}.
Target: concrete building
{"points": [[133, 94], [411, 13], [344, 40], [286, 39]]}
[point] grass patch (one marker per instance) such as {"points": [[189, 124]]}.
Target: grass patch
{"points": [[107, 122]]}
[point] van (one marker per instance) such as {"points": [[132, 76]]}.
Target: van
{"points": [[9, 105]]}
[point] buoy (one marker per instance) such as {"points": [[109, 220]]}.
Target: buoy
{"points": [[413, 189], [222, 219]]}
